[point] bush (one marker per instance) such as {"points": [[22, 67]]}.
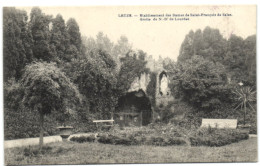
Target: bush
{"points": [[154, 134], [24, 124], [176, 141], [106, 139], [33, 151], [217, 137], [83, 139]]}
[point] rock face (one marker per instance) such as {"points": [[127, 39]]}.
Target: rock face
{"points": [[163, 94], [140, 83]]}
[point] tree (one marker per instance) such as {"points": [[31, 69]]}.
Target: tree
{"points": [[39, 26], [186, 50], [201, 83], [104, 43], [235, 59], [47, 89], [208, 43], [59, 37], [245, 96], [121, 49], [17, 42], [250, 62], [96, 78], [74, 43]]}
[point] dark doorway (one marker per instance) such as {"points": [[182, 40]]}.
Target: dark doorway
{"points": [[134, 108]]}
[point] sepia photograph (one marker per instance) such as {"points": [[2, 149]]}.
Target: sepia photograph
{"points": [[141, 84]]}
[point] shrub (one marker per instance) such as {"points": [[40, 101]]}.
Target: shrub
{"points": [[176, 141], [154, 134], [156, 140], [112, 139], [33, 151], [18, 124], [217, 137], [23, 124], [106, 139], [83, 139]]}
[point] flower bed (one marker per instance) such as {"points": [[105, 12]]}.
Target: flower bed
{"points": [[217, 137], [166, 135]]}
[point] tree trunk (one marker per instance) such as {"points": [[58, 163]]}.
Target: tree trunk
{"points": [[41, 130], [244, 112]]}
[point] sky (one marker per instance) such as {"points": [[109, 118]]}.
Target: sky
{"points": [[157, 38]]}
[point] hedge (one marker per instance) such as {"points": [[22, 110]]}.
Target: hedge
{"points": [[24, 124], [217, 137]]}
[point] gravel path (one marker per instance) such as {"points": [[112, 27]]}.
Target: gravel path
{"points": [[35, 141]]}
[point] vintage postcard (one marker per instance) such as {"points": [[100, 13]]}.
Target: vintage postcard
{"points": [[129, 84]]}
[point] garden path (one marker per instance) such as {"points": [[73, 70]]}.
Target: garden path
{"points": [[35, 141]]}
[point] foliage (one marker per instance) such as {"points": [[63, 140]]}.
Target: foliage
{"points": [[132, 66], [74, 47], [46, 88], [240, 59], [217, 137], [74, 34], [151, 88], [238, 55], [208, 43], [13, 94], [201, 83], [59, 38], [245, 96], [25, 124], [140, 140], [95, 76], [39, 26], [17, 43], [82, 139], [32, 151], [36, 152], [154, 134]]}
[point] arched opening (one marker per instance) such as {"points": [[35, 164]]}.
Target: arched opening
{"points": [[163, 83], [133, 109]]}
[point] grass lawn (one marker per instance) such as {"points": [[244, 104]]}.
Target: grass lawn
{"points": [[86, 153]]}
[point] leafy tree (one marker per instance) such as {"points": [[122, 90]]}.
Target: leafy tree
{"points": [[90, 44], [96, 78], [201, 83], [104, 43], [39, 26], [122, 47], [59, 37], [47, 89], [186, 50], [74, 44], [17, 42], [235, 58], [74, 33], [210, 44], [250, 62], [12, 95]]}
